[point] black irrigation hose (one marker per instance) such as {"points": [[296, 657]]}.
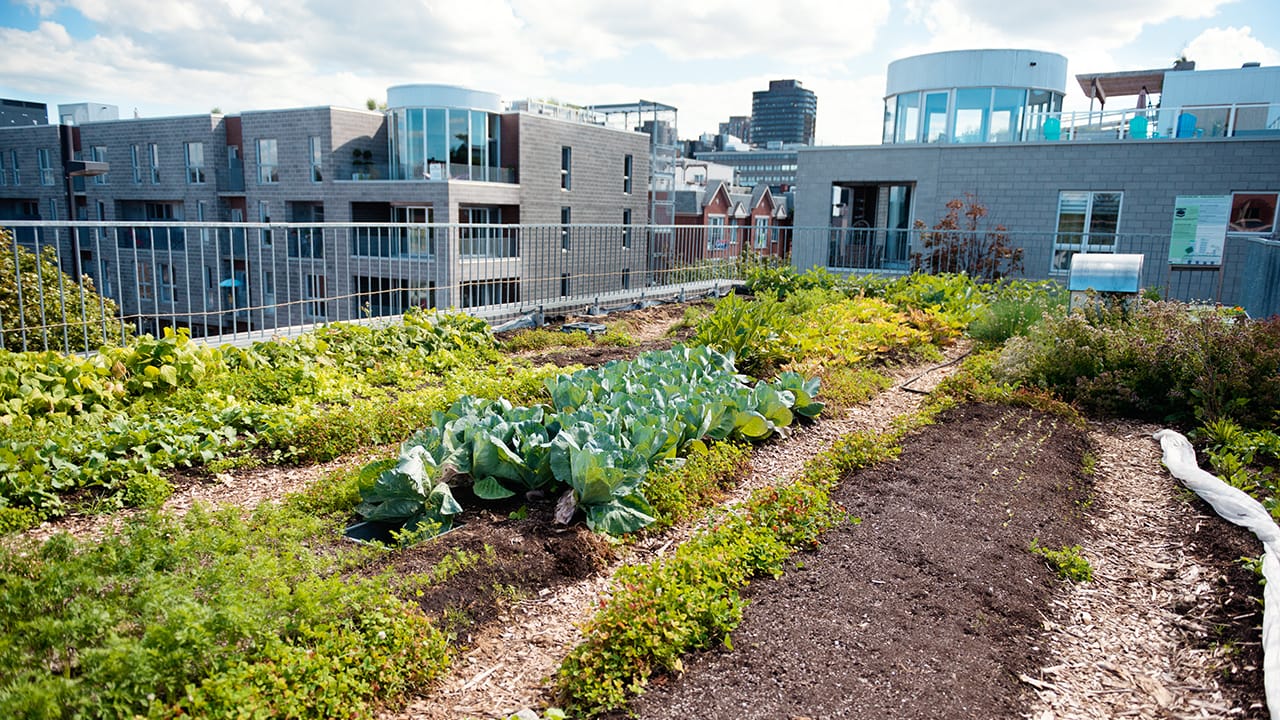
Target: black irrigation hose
{"points": [[906, 385]]}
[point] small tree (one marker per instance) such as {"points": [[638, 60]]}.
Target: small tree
{"points": [[958, 243], [51, 303]]}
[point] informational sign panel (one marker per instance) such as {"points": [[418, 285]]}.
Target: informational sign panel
{"points": [[1199, 229]]}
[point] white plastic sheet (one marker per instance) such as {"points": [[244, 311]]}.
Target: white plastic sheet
{"points": [[1236, 506]]}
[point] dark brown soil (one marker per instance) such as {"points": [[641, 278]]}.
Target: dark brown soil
{"points": [[513, 559], [928, 608]]}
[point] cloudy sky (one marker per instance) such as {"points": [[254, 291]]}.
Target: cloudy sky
{"points": [[189, 56]]}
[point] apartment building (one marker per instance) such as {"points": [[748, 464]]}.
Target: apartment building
{"points": [[345, 211]]}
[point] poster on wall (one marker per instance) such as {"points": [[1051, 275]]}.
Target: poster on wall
{"points": [[1199, 229]]}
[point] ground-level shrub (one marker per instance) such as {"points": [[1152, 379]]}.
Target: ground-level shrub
{"points": [[677, 494], [1159, 361]]}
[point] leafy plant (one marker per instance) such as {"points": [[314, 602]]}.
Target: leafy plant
{"points": [[753, 333], [605, 429], [1068, 561], [215, 615]]}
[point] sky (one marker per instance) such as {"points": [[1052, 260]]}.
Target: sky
{"points": [[181, 57]]}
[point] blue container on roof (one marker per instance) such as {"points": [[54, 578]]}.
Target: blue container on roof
{"points": [[1106, 272]]}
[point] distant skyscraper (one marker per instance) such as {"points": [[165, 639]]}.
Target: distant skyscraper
{"points": [[784, 113]]}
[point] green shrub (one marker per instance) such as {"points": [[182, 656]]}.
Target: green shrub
{"points": [[677, 494], [1160, 362], [56, 312], [536, 339], [1068, 562], [753, 332]]}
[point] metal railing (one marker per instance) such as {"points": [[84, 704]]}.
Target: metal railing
{"points": [[1248, 275], [246, 281], [1190, 121]]}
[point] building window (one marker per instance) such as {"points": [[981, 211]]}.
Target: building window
{"points": [[135, 158], [626, 174], [269, 289], [1087, 222], [264, 217], [564, 284], [317, 158], [762, 232], [489, 292], [566, 167], [155, 163], [195, 163], [475, 240], [315, 292], [716, 238], [165, 280], [418, 239], [98, 153], [146, 286], [1253, 213], [268, 162], [626, 228], [43, 158]]}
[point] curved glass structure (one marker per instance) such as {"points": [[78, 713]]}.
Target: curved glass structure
{"points": [[973, 96], [440, 132]]}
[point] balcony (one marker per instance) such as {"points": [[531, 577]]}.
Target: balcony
{"points": [[1185, 122], [231, 180]]}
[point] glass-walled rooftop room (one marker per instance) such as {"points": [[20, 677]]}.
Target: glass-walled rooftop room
{"points": [[445, 132], [446, 144], [972, 96], [968, 115]]}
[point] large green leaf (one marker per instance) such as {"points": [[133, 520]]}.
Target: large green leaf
{"points": [[398, 509], [489, 488], [490, 457], [619, 516], [752, 425]]}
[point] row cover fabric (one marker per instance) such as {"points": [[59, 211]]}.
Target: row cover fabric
{"points": [[1235, 505]]}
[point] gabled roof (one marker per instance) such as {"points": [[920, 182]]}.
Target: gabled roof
{"points": [[716, 187], [759, 193]]}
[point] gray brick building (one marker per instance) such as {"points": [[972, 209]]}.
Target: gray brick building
{"points": [[328, 198], [1061, 183]]}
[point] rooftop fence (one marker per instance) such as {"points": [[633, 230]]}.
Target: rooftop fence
{"points": [[236, 283]]}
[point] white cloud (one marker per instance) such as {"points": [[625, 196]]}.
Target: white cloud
{"points": [[1229, 47], [799, 30]]}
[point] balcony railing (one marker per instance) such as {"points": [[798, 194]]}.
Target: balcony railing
{"points": [[1189, 121]]}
